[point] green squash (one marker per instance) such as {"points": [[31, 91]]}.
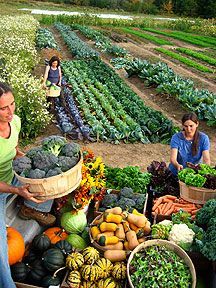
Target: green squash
{"points": [[38, 271], [41, 242], [53, 259], [31, 257], [64, 246], [19, 271], [50, 280], [77, 241]]}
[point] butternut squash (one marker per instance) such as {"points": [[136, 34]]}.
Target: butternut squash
{"points": [[98, 221], [147, 228], [115, 210], [110, 233], [126, 247], [117, 246], [141, 240], [115, 255], [137, 220], [112, 218], [106, 240], [132, 239], [120, 232], [126, 226], [95, 231], [107, 227]]}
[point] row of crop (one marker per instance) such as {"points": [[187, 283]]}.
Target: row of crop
{"points": [[112, 110], [186, 37], [202, 101], [185, 60], [198, 55], [45, 39], [77, 47], [18, 57], [146, 36], [102, 42]]}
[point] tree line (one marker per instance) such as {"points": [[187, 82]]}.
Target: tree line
{"points": [[190, 8]]}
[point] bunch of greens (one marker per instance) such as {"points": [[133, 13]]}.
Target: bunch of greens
{"points": [[130, 176], [162, 179], [157, 266], [199, 175]]}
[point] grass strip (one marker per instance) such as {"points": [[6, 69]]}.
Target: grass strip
{"points": [[198, 55], [185, 60], [149, 37], [188, 39]]}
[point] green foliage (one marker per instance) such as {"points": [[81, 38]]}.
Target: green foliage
{"points": [[205, 214], [197, 55], [45, 39]]}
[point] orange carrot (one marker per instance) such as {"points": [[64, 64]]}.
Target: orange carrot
{"points": [[193, 217], [170, 211], [193, 212], [170, 197], [168, 206], [163, 208], [157, 203]]}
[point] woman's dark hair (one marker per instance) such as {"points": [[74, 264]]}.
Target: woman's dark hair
{"points": [[193, 117], [53, 59], [4, 88]]}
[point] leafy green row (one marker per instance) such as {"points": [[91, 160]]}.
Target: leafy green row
{"points": [[147, 36], [177, 35], [124, 110], [77, 47], [45, 39], [185, 60], [198, 55], [206, 39], [201, 102], [102, 42]]}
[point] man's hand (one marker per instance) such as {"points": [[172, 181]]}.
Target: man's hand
{"points": [[24, 192]]}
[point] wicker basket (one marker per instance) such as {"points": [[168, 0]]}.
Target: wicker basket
{"points": [[178, 250], [196, 195], [55, 186], [94, 243], [53, 93]]}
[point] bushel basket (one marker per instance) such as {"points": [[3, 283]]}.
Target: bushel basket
{"points": [[55, 186], [197, 195]]}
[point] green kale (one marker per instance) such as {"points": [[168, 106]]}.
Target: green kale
{"points": [[208, 211], [209, 244]]}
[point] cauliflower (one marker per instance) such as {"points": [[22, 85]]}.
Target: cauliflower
{"points": [[166, 222], [181, 235]]}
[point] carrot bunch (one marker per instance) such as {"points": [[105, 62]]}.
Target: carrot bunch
{"points": [[169, 204]]}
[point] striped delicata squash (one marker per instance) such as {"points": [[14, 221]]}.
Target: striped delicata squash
{"points": [[90, 254], [74, 279], [105, 267], [74, 260]]}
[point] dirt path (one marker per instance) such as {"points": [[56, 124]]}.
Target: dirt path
{"points": [[135, 154]]}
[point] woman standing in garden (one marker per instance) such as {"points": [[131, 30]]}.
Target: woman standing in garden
{"points": [[189, 145], [32, 208]]}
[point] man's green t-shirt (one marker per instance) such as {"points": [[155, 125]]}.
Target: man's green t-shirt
{"points": [[8, 151]]}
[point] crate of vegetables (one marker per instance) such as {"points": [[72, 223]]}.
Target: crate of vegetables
{"points": [[124, 198], [53, 169]]}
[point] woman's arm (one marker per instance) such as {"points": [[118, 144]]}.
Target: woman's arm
{"points": [[206, 157], [21, 190], [19, 153], [173, 159], [60, 76], [46, 75]]}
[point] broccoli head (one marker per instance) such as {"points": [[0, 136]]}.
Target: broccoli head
{"points": [[109, 200], [53, 172], [126, 192], [33, 152], [70, 150], [139, 199], [66, 163], [126, 204], [53, 144], [44, 160], [22, 165], [36, 174]]}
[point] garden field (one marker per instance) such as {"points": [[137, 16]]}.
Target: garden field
{"points": [[127, 87]]}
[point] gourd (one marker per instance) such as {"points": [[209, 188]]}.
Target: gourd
{"points": [[90, 255], [56, 234], [64, 246], [95, 231], [139, 221], [108, 227], [117, 246], [41, 242], [105, 266], [120, 232], [37, 271], [16, 245], [53, 259], [76, 241], [119, 271], [19, 271], [107, 283], [74, 279], [31, 257], [50, 280], [115, 255], [89, 272], [74, 261], [107, 240], [112, 218], [87, 284], [132, 239], [115, 210]]}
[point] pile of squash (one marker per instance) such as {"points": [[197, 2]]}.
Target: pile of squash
{"points": [[116, 232], [89, 270]]}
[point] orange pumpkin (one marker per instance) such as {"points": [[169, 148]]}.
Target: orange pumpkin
{"points": [[56, 234], [16, 245]]}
